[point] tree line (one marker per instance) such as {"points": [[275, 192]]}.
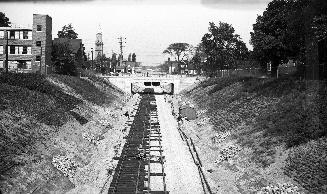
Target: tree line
{"points": [[287, 30]]}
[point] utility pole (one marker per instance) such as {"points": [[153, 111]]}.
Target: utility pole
{"points": [[121, 42], [92, 58], [6, 63]]}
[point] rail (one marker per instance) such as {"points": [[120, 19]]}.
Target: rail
{"points": [[196, 159], [131, 172]]}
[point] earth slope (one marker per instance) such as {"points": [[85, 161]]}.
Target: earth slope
{"points": [[58, 133], [260, 135]]}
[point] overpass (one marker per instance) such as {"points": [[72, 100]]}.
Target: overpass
{"points": [[125, 82]]}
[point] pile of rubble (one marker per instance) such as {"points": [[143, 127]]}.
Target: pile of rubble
{"points": [[285, 188], [220, 137], [104, 122], [202, 112], [65, 165], [90, 137], [227, 153], [203, 121]]}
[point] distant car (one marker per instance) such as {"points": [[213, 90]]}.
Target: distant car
{"points": [[113, 73]]}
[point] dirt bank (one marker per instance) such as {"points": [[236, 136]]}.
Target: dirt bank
{"points": [[59, 133], [260, 135]]}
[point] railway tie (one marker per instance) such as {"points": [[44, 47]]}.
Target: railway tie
{"points": [[134, 172]]}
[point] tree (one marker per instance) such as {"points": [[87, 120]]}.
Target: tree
{"points": [[164, 67], [198, 57], [134, 57], [319, 33], [320, 26], [79, 58], [67, 32], [4, 21], [319, 20], [280, 33], [100, 63], [63, 59], [222, 47], [120, 57], [114, 59], [177, 50]]}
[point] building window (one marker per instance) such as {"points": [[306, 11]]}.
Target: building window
{"points": [[2, 34], [38, 58], [21, 64], [28, 65], [12, 50], [1, 65], [24, 50], [12, 65], [11, 34], [38, 43], [16, 34], [39, 28], [1, 50], [25, 34], [29, 50]]}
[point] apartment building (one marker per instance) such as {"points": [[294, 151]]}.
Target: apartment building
{"points": [[29, 49]]}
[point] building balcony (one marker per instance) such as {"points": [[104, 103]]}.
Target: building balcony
{"points": [[24, 42], [17, 57]]}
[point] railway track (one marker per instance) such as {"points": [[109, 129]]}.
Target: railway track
{"points": [[140, 167]]}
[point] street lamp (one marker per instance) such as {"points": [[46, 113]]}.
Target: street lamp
{"points": [[92, 57]]}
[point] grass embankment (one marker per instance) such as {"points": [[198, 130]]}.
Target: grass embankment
{"points": [[274, 125], [35, 112]]}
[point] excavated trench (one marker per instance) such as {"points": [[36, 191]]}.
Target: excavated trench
{"points": [[140, 167], [156, 157]]}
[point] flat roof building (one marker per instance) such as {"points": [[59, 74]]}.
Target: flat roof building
{"points": [[29, 49]]}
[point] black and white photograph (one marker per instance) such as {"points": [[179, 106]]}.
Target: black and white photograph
{"points": [[163, 96]]}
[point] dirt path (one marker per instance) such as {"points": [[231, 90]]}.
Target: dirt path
{"points": [[181, 173]]}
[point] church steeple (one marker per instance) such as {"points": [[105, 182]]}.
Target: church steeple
{"points": [[99, 43]]}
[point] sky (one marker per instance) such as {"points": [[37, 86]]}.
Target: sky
{"points": [[149, 26]]}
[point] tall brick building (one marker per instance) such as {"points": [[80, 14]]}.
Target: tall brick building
{"points": [[29, 50]]}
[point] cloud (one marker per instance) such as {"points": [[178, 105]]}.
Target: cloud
{"points": [[213, 2], [235, 4]]}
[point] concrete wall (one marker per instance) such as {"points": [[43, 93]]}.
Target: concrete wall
{"points": [[124, 83]]}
